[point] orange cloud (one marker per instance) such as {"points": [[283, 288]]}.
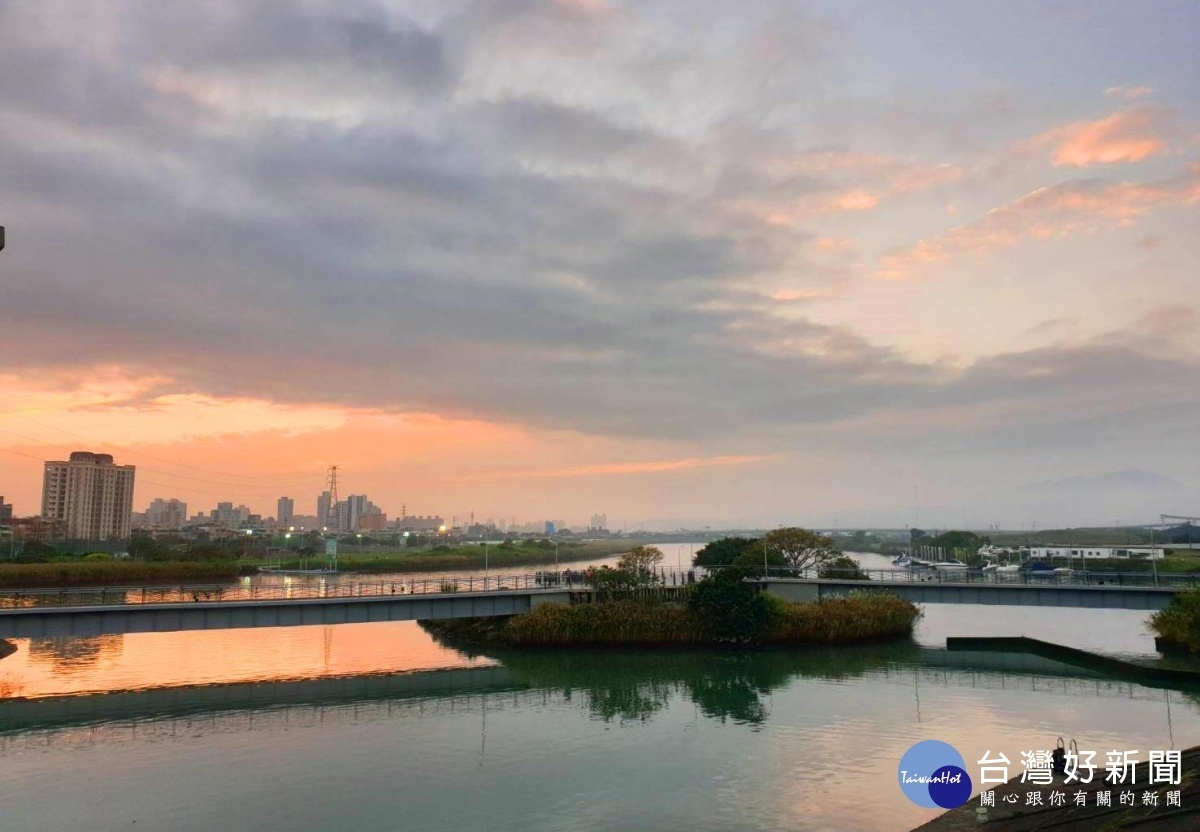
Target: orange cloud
{"points": [[1056, 211], [1128, 92], [619, 468], [856, 201], [1129, 136]]}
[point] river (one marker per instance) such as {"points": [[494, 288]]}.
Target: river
{"points": [[380, 727]]}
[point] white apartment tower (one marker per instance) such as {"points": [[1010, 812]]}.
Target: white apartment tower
{"points": [[89, 495]]}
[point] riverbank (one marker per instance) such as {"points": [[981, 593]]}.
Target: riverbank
{"points": [[111, 573], [650, 623], [446, 558]]}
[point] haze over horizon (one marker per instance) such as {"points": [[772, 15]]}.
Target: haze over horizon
{"points": [[547, 258]]}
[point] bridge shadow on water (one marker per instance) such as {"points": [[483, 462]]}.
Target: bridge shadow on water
{"points": [[611, 685]]}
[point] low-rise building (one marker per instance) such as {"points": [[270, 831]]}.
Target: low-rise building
{"points": [[1097, 552]]}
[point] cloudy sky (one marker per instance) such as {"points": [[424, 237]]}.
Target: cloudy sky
{"points": [[746, 262]]}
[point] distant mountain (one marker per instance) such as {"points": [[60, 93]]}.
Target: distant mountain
{"points": [[1136, 479]]}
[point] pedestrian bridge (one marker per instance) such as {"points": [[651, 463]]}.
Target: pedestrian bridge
{"points": [[939, 589], [212, 608], [95, 611]]}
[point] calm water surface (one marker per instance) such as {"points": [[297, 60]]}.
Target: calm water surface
{"points": [[379, 727]]}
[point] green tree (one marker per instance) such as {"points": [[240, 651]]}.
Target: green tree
{"points": [[35, 551], [732, 609], [844, 568], [145, 547], [800, 548], [723, 552], [640, 560]]}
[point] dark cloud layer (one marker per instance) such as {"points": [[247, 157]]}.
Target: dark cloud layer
{"points": [[180, 200]]}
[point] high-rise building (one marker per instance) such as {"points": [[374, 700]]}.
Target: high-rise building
{"points": [[599, 523], [285, 511], [89, 495], [167, 514], [323, 508], [5, 509]]}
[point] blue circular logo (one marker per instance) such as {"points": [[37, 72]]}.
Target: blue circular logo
{"points": [[933, 774]]}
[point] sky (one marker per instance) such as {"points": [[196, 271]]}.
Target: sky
{"points": [[755, 263]]}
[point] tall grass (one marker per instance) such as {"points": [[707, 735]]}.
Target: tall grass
{"points": [[111, 573], [614, 622], [1179, 623], [644, 623], [855, 618]]}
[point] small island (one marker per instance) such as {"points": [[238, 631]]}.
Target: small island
{"points": [[728, 607]]}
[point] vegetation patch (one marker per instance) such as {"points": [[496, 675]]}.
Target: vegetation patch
{"points": [[722, 609], [110, 572], [1179, 624]]}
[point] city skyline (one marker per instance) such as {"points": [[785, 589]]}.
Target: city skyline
{"points": [[771, 264]]}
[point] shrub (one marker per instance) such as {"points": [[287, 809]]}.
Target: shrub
{"points": [[97, 557], [845, 568], [728, 607], [1179, 623]]}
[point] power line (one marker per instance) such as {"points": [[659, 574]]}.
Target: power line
{"points": [[143, 480], [149, 456], [164, 473]]}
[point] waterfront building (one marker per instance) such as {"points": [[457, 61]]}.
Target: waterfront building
{"points": [[599, 523], [1096, 552], [6, 509], [90, 495]]}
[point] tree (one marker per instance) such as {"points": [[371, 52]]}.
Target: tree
{"points": [[800, 548], [145, 547], [732, 609], [844, 568], [723, 552], [640, 560]]}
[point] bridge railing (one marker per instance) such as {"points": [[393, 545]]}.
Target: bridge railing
{"points": [[310, 587], [990, 577]]}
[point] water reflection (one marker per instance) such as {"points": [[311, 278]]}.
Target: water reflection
{"points": [[725, 686], [73, 656]]}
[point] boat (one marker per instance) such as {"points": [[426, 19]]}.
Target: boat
{"points": [[950, 566], [904, 561]]}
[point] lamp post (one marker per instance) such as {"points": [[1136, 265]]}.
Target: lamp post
{"points": [[485, 565], [766, 571]]}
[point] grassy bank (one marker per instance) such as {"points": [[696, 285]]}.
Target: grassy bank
{"points": [[446, 558], [110, 573], [645, 623]]}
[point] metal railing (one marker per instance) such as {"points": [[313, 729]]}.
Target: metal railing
{"points": [[309, 587], [333, 586], [978, 576]]}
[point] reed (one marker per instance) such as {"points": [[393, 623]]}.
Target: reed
{"points": [[855, 618], [1179, 624], [647, 623], [111, 573]]}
